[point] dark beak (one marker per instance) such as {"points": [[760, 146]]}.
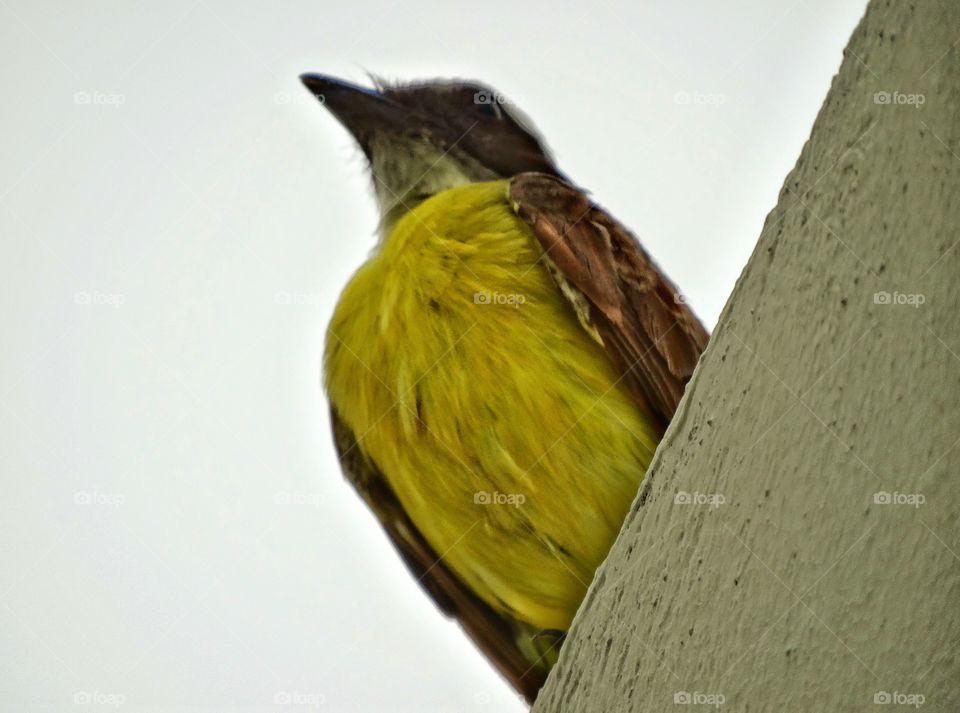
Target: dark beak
{"points": [[363, 112]]}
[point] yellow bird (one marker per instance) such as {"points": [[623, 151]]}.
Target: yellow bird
{"points": [[501, 369]]}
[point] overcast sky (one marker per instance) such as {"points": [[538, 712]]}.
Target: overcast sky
{"points": [[178, 218]]}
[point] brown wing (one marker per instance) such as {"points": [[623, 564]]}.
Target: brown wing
{"points": [[651, 335], [495, 636]]}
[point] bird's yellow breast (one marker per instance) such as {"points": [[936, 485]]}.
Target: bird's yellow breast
{"points": [[497, 420]]}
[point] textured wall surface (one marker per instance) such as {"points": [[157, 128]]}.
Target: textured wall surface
{"points": [[796, 546]]}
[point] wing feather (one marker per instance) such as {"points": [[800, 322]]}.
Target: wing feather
{"points": [[651, 335], [496, 636]]}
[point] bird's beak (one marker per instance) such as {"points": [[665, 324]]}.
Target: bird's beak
{"points": [[363, 112]]}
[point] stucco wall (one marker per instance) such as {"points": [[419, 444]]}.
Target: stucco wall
{"points": [[790, 583]]}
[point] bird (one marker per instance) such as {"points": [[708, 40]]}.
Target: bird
{"points": [[501, 368]]}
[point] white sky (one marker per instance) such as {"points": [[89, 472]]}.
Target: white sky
{"points": [[163, 179]]}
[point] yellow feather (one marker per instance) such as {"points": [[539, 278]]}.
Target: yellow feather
{"points": [[464, 372]]}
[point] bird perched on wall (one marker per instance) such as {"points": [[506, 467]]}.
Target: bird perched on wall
{"points": [[502, 367]]}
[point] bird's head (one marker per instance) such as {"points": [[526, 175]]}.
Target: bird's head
{"points": [[426, 137]]}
